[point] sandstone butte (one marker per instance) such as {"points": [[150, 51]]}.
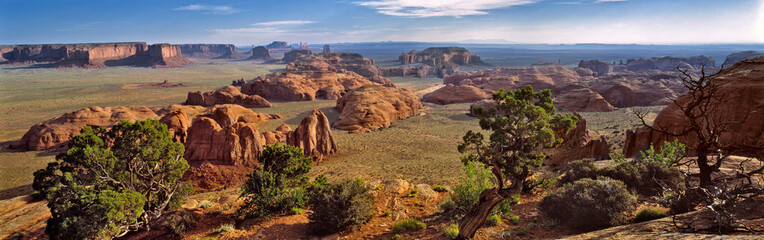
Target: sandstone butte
{"points": [[336, 62], [97, 55], [215, 51], [314, 136], [294, 55], [437, 61], [373, 107], [304, 85], [741, 85], [449, 94], [260, 53], [226, 95]]}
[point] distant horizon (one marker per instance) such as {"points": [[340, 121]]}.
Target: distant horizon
{"points": [[414, 42], [243, 23]]}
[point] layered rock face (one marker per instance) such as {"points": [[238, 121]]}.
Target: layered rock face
{"points": [[226, 95], [443, 60], [373, 107], [57, 131], [294, 55], [741, 108], [628, 91], [98, 55], [456, 94], [575, 97], [227, 135], [740, 56], [314, 136], [539, 76], [260, 53], [336, 62], [304, 85], [214, 51]]}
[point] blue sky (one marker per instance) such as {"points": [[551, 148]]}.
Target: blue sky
{"points": [[325, 21]]}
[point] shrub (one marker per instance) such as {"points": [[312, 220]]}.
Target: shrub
{"points": [[589, 204], [339, 206], [617, 157], [539, 184], [224, 228], [439, 188], [579, 169], [206, 205], [476, 179], [643, 178], [670, 153], [179, 223], [280, 184], [648, 214], [493, 220], [447, 205], [408, 225], [451, 231], [505, 207], [296, 210], [515, 220]]}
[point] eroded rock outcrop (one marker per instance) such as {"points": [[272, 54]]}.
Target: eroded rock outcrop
{"points": [[456, 94], [575, 97], [214, 51], [540, 76], [304, 85], [740, 56], [579, 143], [226, 95], [314, 136], [227, 135], [98, 55], [439, 61], [294, 55], [260, 53], [373, 107], [57, 131], [742, 109], [336, 62]]}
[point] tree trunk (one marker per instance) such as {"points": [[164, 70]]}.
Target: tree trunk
{"points": [[705, 170], [477, 215]]}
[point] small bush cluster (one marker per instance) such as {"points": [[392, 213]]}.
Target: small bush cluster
{"points": [[643, 178], [648, 214], [179, 223], [493, 220], [670, 153], [408, 225], [447, 205], [439, 188], [589, 204], [341, 205], [451, 232], [224, 228], [476, 179]]}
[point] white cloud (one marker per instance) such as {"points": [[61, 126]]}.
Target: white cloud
{"points": [[208, 9], [278, 23], [439, 8]]}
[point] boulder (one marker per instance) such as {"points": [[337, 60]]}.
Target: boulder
{"points": [[740, 105], [397, 186], [372, 107], [56, 132], [226, 95], [456, 94], [304, 85], [314, 136]]}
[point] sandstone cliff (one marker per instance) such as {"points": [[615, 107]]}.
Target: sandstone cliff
{"points": [[294, 55], [742, 108], [314, 136], [215, 51], [740, 56], [98, 55], [373, 107]]}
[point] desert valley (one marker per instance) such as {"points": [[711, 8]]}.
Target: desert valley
{"points": [[405, 139]]}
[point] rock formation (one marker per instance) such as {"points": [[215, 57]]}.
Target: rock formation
{"points": [[294, 55], [57, 131], [314, 136], [327, 49], [575, 97], [260, 53], [373, 107], [227, 135], [214, 51], [277, 44], [226, 95], [540, 76], [337, 62], [420, 71], [578, 144], [304, 85], [98, 55], [628, 91], [443, 60], [456, 94], [740, 56], [280, 135], [665, 64], [742, 108]]}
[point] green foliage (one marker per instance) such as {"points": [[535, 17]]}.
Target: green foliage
{"points": [[505, 207], [643, 178], [451, 231], [280, 184], [617, 157], [648, 214], [412, 193], [397, 237], [82, 213], [131, 158], [224, 228], [493, 220], [387, 213], [515, 220], [521, 122], [339, 206], [179, 223], [296, 210], [670, 153], [540, 184], [589, 204], [447, 205], [206, 204], [408, 225], [476, 179], [439, 188]]}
